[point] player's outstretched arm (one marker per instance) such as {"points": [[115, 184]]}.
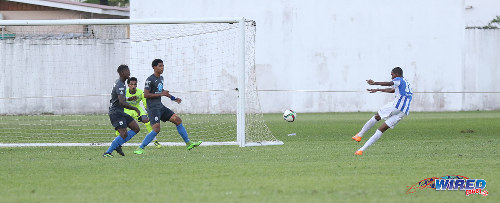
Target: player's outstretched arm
{"points": [[178, 100], [123, 102], [388, 90], [371, 82]]}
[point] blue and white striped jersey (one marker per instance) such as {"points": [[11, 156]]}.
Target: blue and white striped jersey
{"points": [[403, 95]]}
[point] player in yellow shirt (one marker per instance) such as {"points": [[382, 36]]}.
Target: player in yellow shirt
{"points": [[134, 96]]}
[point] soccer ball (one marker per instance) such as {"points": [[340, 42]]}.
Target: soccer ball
{"points": [[289, 115]]}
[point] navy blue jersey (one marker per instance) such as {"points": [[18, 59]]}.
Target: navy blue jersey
{"points": [[155, 86], [118, 89]]}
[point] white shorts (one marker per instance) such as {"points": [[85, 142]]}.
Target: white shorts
{"points": [[391, 115]]}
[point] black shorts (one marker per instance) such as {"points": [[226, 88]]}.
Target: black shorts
{"points": [[157, 114], [120, 120]]}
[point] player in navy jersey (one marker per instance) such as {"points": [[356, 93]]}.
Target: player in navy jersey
{"points": [[153, 91], [392, 112], [119, 119]]}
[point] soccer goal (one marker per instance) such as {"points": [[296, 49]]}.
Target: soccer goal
{"points": [[57, 75]]}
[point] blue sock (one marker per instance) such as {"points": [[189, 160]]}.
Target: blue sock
{"points": [[118, 141], [130, 134], [183, 133], [149, 137]]}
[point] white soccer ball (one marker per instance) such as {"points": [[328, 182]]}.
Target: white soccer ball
{"points": [[289, 115]]}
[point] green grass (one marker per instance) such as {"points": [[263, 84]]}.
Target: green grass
{"points": [[316, 165]]}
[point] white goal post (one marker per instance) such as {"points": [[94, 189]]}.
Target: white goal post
{"points": [[144, 43]]}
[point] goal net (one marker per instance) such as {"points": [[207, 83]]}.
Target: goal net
{"points": [[57, 77]]}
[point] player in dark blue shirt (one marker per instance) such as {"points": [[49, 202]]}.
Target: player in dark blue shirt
{"points": [[119, 119], [153, 91]]}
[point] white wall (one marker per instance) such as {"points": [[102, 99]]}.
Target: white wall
{"points": [[321, 45], [481, 12], [337, 45], [43, 76], [482, 62]]}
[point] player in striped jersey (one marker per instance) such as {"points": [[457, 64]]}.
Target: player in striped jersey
{"points": [[392, 112]]}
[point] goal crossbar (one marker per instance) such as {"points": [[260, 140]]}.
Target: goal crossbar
{"points": [[120, 21]]}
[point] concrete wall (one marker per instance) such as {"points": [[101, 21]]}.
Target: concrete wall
{"points": [[482, 69], [330, 47], [41, 76], [336, 45]]}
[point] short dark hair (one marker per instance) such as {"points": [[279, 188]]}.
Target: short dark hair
{"points": [[121, 68], [132, 79], [156, 62], [398, 71]]}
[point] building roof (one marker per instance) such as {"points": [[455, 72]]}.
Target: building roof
{"points": [[77, 6]]}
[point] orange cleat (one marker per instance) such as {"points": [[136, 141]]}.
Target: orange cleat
{"points": [[359, 152], [356, 137]]}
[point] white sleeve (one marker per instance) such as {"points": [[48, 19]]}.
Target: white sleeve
{"points": [[396, 83]]}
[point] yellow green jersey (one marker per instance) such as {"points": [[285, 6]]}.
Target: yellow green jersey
{"points": [[136, 103]]}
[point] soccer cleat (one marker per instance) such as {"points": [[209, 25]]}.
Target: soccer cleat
{"points": [[157, 144], [359, 152], [107, 155], [120, 151], [356, 137], [190, 145], [139, 151]]}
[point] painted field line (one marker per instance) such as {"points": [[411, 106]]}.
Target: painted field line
{"points": [[104, 144], [100, 144]]}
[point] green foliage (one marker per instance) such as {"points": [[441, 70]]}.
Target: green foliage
{"points": [[493, 24], [315, 165], [494, 21]]}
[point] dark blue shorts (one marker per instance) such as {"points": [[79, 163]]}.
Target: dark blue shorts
{"points": [[120, 120], [157, 114]]}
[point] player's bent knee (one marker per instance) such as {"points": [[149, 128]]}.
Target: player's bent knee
{"points": [[383, 127], [136, 130], [175, 119], [178, 121], [156, 127]]}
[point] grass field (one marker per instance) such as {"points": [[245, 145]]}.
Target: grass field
{"points": [[316, 165]]}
